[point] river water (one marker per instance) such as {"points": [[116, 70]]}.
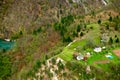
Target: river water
{"points": [[6, 45]]}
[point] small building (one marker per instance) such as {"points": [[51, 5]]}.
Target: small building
{"points": [[98, 49], [80, 57]]}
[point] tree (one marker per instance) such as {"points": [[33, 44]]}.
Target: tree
{"points": [[62, 33], [38, 64], [78, 28], [57, 26], [117, 40], [69, 39], [21, 33], [107, 26], [115, 36], [110, 40], [53, 60], [39, 29], [99, 21], [67, 20], [93, 13], [34, 32], [117, 17], [60, 65], [116, 27], [110, 18], [70, 1], [81, 34], [91, 27], [85, 26], [46, 57], [75, 34]]}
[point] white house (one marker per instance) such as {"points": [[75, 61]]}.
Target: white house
{"points": [[98, 49], [80, 57]]}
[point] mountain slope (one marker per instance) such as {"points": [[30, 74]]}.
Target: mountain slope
{"points": [[42, 28]]}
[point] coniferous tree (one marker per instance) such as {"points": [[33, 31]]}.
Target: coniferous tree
{"points": [[70, 1], [116, 27], [81, 34], [110, 40], [115, 36], [75, 34], [69, 39], [78, 28], [99, 21], [117, 40], [85, 26], [21, 33], [107, 27], [110, 18]]}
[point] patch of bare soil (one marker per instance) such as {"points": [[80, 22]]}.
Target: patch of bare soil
{"points": [[117, 52], [101, 62]]}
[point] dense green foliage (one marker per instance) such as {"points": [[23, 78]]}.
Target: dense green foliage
{"points": [[63, 27], [5, 66]]}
